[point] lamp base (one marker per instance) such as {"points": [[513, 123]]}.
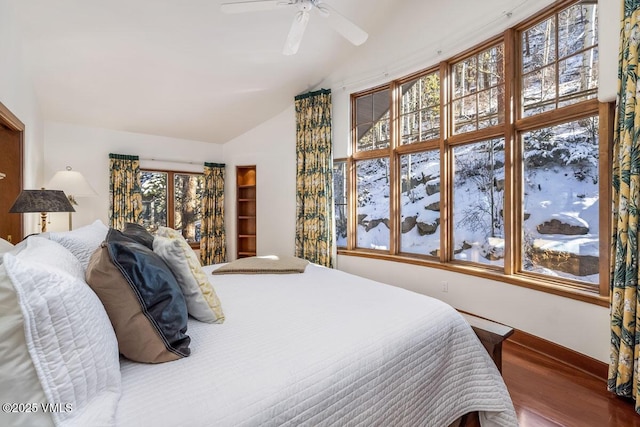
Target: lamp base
{"points": [[43, 222], [72, 200]]}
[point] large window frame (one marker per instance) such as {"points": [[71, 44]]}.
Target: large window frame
{"points": [[511, 126]]}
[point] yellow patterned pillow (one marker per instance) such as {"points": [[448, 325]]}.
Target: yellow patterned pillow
{"points": [[202, 301]]}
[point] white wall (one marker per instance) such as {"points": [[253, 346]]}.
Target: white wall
{"points": [[272, 148], [610, 16], [86, 150], [17, 94]]}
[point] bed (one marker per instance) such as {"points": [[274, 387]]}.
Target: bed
{"points": [[317, 348]]}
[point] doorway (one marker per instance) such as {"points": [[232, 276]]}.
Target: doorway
{"points": [[11, 161]]}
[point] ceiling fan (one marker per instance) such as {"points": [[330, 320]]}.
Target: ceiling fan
{"points": [[339, 23]]}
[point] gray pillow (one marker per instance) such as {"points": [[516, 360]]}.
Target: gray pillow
{"points": [[139, 234]]}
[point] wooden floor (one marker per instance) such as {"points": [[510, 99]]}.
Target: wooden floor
{"points": [[546, 392]]}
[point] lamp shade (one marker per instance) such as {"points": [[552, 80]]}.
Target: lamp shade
{"points": [[41, 201], [72, 183]]}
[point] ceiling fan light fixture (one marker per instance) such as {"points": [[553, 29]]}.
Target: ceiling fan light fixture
{"points": [[292, 44], [344, 26], [335, 20], [251, 6]]}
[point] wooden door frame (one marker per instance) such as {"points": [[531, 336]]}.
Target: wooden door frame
{"points": [[10, 120]]}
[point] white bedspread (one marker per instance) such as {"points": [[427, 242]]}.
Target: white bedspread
{"points": [[320, 348]]}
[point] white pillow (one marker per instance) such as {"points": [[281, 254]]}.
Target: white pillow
{"points": [[5, 246], [83, 241], [18, 378], [52, 255], [70, 340], [202, 301]]}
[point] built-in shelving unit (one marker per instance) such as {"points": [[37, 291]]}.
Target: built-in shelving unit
{"points": [[246, 210]]}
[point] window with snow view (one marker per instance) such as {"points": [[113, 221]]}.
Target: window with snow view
{"points": [[372, 178], [420, 203], [420, 109], [489, 163], [478, 202], [478, 90], [560, 203], [560, 60]]}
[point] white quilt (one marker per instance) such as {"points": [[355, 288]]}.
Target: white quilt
{"points": [[320, 348]]}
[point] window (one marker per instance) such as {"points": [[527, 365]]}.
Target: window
{"points": [[478, 202], [372, 178], [478, 90], [560, 60], [176, 205], [560, 188], [372, 120], [467, 183], [560, 203], [420, 109], [477, 104], [420, 203], [340, 201]]}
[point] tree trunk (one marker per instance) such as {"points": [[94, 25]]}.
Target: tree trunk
{"points": [[185, 209]]}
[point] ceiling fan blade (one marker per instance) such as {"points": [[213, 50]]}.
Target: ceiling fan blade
{"points": [[250, 6], [345, 27], [296, 32]]}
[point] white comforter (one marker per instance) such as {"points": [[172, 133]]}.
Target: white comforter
{"points": [[320, 348]]}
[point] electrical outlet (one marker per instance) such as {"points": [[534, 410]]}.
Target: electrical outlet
{"points": [[445, 286]]}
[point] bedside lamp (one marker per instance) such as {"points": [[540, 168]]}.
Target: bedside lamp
{"points": [[73, 184], [42, 201]]}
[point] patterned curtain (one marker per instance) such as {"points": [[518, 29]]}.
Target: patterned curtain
{"points": [[213, 246], [314, 178], [625, 323], [125, 194]]}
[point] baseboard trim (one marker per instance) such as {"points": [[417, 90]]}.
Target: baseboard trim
{"points": [[562, 354]]}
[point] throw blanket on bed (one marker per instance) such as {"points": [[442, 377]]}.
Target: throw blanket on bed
{"points": [[264, 265]]}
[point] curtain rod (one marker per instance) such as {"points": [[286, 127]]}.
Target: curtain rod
{"points": [[312, 93], [172, 161]]}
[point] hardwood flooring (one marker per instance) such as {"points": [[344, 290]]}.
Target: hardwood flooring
{"points": [[546, 392]]}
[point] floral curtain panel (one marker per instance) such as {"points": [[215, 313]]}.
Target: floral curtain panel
{"points": [[213, 246], [314, 178], [125, 194], [625, 333]]}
